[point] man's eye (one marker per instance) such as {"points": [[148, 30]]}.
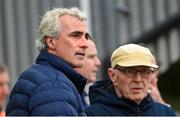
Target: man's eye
{"points": [[87, 36], [130, 71], [147, 71]]}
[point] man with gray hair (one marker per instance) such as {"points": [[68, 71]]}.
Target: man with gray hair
{"points": [[51, 87]]}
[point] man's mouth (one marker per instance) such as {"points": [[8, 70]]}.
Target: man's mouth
{"points": [[136, 89], [94, 72], [80, 54]]}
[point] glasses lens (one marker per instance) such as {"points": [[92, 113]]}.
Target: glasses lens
{"points": [[131, 72], [146, 73]]}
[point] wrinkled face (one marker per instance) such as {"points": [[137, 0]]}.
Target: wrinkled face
{"points": [[4, 86], [72, 41], [92, 63], [132, 82]]}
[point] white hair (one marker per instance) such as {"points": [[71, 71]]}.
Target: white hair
{"points": [[50, 24]]}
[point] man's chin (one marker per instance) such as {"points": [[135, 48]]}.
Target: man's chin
{"points": [[92, 79], [79, 65], [137, 98]]}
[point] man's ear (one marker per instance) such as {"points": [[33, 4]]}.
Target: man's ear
{"points": [[50, 43], [112, 76]]}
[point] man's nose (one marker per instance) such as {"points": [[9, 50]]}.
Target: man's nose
{"points": [[98, 62], [138, 77], [84, 43]]}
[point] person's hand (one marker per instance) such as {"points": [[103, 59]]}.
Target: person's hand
{"points": [[154, 91]]}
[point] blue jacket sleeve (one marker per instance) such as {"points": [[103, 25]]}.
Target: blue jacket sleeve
{"points": [[36, 94]]}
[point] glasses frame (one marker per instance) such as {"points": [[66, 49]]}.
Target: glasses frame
{"points": [[132, 72]]}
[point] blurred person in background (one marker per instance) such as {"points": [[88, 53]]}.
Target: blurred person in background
{"points": [[153, 88], [51, 86], [4, 87], [126, 93], [89, 69]]}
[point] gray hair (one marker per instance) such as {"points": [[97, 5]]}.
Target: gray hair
{"points": [[50, 25]]}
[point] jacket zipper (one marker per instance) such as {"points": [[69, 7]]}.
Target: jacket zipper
{"points": [[138, 111]]}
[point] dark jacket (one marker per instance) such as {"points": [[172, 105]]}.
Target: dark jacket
{"points": [[105, 102], [49, 87]]}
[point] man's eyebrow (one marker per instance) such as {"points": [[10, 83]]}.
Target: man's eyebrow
{"points": [[76, 32]]}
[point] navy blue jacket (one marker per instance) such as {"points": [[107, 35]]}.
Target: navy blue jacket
{"points": [[49, 87], [105, 102]]}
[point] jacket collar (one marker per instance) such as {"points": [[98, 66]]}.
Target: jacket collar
{"points": [[50, 59], [146, 101]]}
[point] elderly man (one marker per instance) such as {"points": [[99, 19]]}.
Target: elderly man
{"points": [[126, 94], [90, 68], [52, 87], [4, 87]]}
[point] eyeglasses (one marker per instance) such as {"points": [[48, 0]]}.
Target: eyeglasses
{"points": [[131, 72]]}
